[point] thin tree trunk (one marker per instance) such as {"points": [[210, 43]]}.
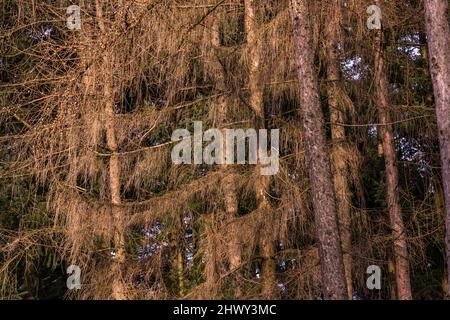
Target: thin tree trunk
{"points": [[438, 32], [267, 245], [118, 288], [392, 183], [180, 249], [338, 154], [228, 182], [317, 157], [254, 45], [266, 239]]}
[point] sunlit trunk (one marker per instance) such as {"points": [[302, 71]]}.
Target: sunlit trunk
{"points": [[118, 289]]}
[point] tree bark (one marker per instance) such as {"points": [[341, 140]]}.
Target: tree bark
{"points": [[402, 273], [438, 32], [317, 157], [338, 154]]}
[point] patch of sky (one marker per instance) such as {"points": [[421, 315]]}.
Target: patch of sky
{"points": [[351, 67], [410, 45], [42, 33], [412, 150]]}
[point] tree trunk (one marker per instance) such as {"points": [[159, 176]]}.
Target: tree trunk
{"points": [[180, 249], [254, 46], [392, 184], [228, 182], [266, 239], [118, 288], [338, 153], [317, 157], [256, 88], [438, 32]]}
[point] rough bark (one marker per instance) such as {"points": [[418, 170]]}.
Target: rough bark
{"points": [[317, 157], [338, 154], [402, 273], [438, 32]]}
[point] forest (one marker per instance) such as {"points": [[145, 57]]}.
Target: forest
{"points": [[224, 150]]}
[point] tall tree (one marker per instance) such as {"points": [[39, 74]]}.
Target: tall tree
{"points": [[85, 164], [438, 33], [256, 88], [317, 156], [118, 289], [338, 152], [228, 183], [392, 183]]}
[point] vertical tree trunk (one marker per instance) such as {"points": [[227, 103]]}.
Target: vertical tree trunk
{"points": [[392, 184], [256, 88], [228, 182], [266, 239], [438, 32], [338, 154], [118, 288], [254, 45], [180, 249], [317, 157]]}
